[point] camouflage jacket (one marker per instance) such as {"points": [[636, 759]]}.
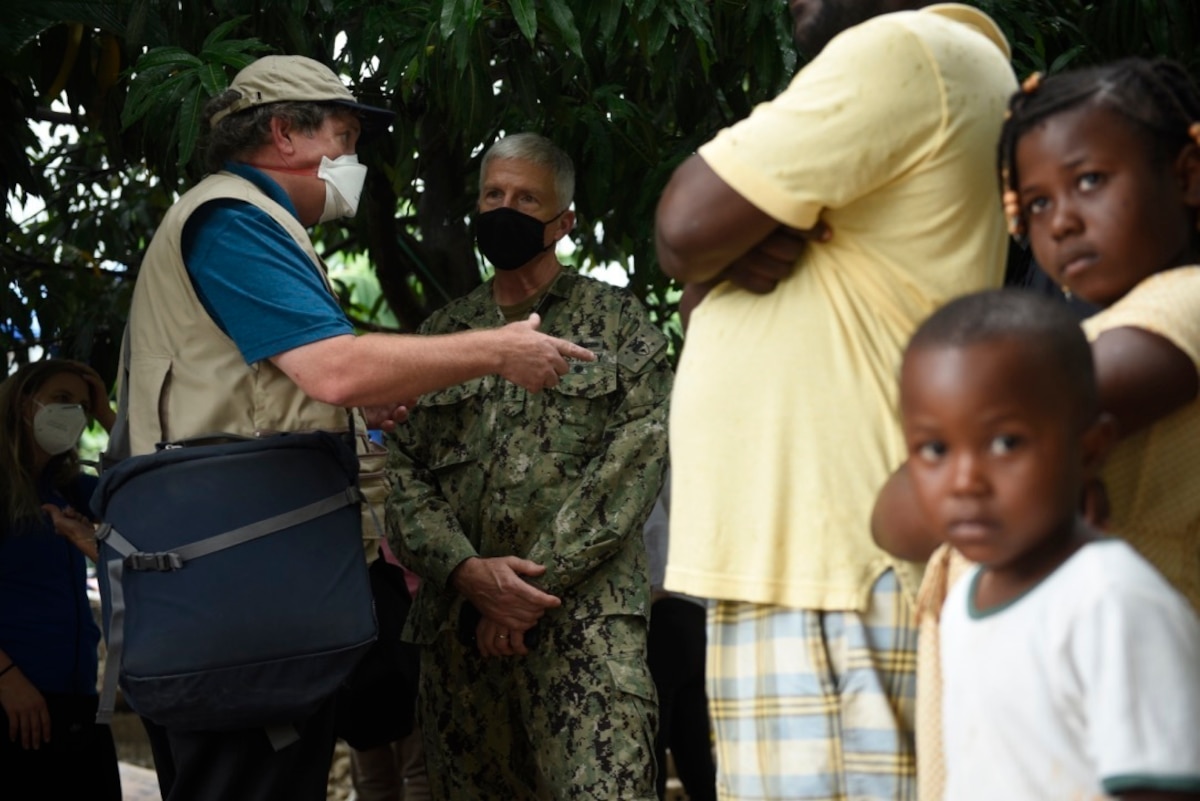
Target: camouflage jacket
{"points": [[565, 477]]}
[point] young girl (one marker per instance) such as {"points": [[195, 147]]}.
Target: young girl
{"points": [[50, 746], [1101, 175]]}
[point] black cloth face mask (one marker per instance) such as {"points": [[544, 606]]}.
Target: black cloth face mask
{"points": [[509, 238]]}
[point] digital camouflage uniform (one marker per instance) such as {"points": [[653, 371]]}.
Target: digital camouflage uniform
{"points": [[566, 478]]}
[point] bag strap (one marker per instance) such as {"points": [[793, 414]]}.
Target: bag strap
{"points": [[115, 642], [175, 559], [133, 559]]}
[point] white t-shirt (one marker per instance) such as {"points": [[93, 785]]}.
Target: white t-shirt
{"points": [[1085, 686]]}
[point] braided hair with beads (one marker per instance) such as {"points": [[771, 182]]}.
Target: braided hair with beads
{"points": [[1158, 96]]}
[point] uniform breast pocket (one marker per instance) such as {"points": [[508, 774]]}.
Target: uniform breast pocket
{"points": [[450, 422], [579, 406]]}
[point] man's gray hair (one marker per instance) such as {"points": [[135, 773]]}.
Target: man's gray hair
{"points": [[535, 149]]}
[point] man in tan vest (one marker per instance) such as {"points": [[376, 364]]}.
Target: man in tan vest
{"points": [[233, 328]]}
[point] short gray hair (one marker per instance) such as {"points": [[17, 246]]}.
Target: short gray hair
{"points": [[535, 149]]}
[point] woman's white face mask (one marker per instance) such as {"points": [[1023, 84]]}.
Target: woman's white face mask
{"points": [[58, 426], [344, 178]]}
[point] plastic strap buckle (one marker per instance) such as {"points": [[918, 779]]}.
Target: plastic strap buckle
{"points": [[154, 561]]}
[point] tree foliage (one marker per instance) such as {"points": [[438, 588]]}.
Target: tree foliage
{"points": [[104, 99]]}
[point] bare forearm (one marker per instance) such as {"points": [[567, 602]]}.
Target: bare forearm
{"points": [[381, 369], [375, 369], [702, 225]]}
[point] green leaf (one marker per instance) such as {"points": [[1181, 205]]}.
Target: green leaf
{"points": [[657, 34], [525, 12], [235, 53], [1064, 60], [642, 9], [698, 21], [172, 57], [146, 97], [610, 15], [221, 31], [450, 18], [462, 50], [189, 124], [564, 20], [212, 79]]}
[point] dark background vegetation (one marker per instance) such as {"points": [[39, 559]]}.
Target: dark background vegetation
{"points": [[628, 87]]}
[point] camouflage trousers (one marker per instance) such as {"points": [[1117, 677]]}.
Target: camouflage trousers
{"points": [[575, 719]]}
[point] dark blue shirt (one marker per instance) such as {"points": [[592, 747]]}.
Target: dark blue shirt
{"points": [[46, 623]]}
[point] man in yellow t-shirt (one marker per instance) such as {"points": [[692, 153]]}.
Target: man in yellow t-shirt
{"points": [[884, 142]]}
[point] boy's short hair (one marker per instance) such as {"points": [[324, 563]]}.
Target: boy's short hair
{"points": [[1045, 325]]}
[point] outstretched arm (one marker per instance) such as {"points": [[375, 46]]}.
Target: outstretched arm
{"points": [[383, 369]]}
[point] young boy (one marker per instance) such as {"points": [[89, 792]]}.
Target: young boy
{"points": [[1071, 668]]}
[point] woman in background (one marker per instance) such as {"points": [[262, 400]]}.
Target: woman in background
{"points": [[50, 745]]}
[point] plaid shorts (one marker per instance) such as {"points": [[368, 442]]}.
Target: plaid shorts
{"points": [[811, 704]]}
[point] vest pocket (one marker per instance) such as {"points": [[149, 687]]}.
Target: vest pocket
{"points": [[375, 487], [149, 400]]}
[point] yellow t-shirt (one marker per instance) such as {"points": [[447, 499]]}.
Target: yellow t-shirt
{"points": [[783, 423], [1153, 476]]}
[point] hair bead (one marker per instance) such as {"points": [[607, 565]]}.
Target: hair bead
{"points": [[1012, 212]]}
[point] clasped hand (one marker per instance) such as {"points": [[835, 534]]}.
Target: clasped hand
{"points": [[760, 269], [508, 604]]}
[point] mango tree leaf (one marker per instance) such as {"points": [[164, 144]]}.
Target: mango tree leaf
{"points": [[525, 13]]}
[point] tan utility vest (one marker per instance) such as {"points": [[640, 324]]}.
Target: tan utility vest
{"points": [[187, 378]]}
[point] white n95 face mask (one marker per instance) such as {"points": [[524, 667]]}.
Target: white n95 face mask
{"points": [[344, 178], [57, 426]]}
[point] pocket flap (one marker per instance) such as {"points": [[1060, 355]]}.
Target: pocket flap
{"points": [[632, 676]]}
